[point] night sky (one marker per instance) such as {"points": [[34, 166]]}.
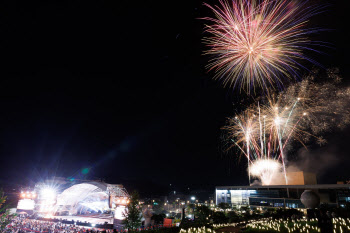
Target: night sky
{"points": [[118, 90]]}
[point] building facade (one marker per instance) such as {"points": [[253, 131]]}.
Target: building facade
{"points": [[280, 196]]}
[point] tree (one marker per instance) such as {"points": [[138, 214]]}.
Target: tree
{"points": [[224, 206], [202, 214], [232, 216], [190, 208], [5, 217], [132, 213], [245, 209], [219, 217]]}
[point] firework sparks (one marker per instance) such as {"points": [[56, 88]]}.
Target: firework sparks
{"points": [[262, 133], [265, 169], [256, 43], [301, 112]]}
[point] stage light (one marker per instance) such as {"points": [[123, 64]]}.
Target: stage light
{"points": [[48, 193], [23, 195], [93, 225]]}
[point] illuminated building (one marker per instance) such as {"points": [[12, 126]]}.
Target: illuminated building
{"points": [[280, 196], [68, 198]]}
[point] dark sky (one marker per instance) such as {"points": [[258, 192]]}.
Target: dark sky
{"points": [[120, 87]]}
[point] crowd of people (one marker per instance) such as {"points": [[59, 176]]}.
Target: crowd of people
{"points": [[22, 225]]}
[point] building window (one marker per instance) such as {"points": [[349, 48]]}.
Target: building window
{"points": [[278, 204]]}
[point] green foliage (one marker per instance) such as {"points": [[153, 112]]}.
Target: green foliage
{"points": [[233, 217], [219, 217], [177, 220], [187, 224], [224, 206], [245, 208], [191, 207], [286, 213], [132, 213], [202, 214], [5, 217]]}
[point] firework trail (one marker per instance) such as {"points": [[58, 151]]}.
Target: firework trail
{"points": [[262, 132], [302, 112], [259, 42]]}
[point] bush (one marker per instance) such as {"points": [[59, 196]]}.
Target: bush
{"points": [[219, 217]]}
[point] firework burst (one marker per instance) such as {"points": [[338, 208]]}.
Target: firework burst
{"points": [[262, 133], [265, 169], [303, 111], [257, 42]]}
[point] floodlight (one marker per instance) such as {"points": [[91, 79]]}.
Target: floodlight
{"points": [[48, 193]]}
